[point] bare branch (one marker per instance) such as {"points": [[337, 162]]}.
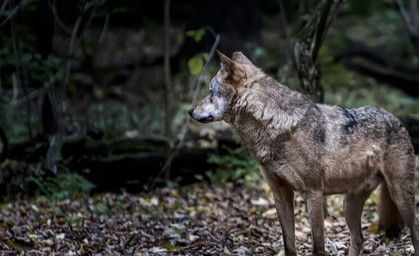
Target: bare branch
{"points": [[3, 7], [72, 48], [410, 23], [87, 6], [57, 18], [405, 17], [185, 128], [283, 17], [404, 81], [413, 14], [199, 80], [13, 12], [105, 29], [31, 96], [76, 35]]}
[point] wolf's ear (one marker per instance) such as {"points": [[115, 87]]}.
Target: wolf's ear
{"points": [[240, 58], [226, 62]]}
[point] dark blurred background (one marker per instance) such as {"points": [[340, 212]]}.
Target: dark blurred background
{"points": [[94, 94]]}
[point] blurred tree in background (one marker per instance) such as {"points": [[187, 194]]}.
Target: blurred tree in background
{"points": [[95, 88]]}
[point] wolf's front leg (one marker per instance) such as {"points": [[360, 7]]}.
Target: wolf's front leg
{"points": [[285, 211], [284, 203], [314, 201]]}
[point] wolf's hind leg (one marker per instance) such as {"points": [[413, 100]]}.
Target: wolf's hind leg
{"points": [[399, 179], [352, 210], [404, 198]]}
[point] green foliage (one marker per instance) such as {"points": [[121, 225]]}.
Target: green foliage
{"points": [[100, 209], [371, 205], [196, 63], [382, 30], [237, 164], [197, 34], [73, 185], [64, 185], [372, 200], [38, 69], [74, 219], [116, 118], [43, 184], [43, 70]]}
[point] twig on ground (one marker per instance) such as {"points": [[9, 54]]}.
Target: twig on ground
{"points": [[265, 246]]}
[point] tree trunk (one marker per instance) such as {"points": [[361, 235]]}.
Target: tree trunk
{"points": [[308, 43]]}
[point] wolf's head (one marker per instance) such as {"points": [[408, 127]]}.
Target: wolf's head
{"points": [[229, 83]]}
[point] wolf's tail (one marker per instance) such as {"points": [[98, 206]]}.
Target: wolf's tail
{"points": [[390, 219]]}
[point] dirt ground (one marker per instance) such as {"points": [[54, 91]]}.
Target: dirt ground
{"points": [[193, 220]]}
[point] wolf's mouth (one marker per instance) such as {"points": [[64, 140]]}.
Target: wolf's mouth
{"points": [[207, 119]]}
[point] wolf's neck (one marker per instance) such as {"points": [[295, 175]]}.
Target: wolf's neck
{"points": [[266, 115]]}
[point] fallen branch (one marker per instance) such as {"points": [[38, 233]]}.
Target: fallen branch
{"points": [[409, 83]]}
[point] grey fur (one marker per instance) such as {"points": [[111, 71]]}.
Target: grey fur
{"points": [[317, 150]]}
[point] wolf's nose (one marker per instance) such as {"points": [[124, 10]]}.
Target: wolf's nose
{"points": [[190, 111]]}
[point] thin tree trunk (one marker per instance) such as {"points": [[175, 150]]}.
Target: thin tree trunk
{"points": [[166, 70], [167, 75], [306, 47], [20, 73]]}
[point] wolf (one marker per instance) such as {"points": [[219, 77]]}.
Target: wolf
{"points": [[316, 150]]}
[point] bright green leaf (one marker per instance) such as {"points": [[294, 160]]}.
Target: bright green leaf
{"points": [[195, 65], [196, 34]]}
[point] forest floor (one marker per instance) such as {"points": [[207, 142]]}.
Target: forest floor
{"points": [[192, 220]]}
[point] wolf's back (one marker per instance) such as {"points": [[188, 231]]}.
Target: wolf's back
{"points": [[362, 123]]}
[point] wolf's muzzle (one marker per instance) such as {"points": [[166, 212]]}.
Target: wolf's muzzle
{"points": [[206, 119]]}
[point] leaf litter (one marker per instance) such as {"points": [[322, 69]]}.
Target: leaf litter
{"points": [[191, 220]]}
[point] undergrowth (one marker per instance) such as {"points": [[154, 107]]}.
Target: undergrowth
{"points": [[33, 180], [236, 164]]}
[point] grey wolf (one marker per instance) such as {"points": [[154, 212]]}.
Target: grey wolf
{"points": [[316, 150]]}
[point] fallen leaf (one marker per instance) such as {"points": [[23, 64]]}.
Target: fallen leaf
{"points": [[373, 228]]}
